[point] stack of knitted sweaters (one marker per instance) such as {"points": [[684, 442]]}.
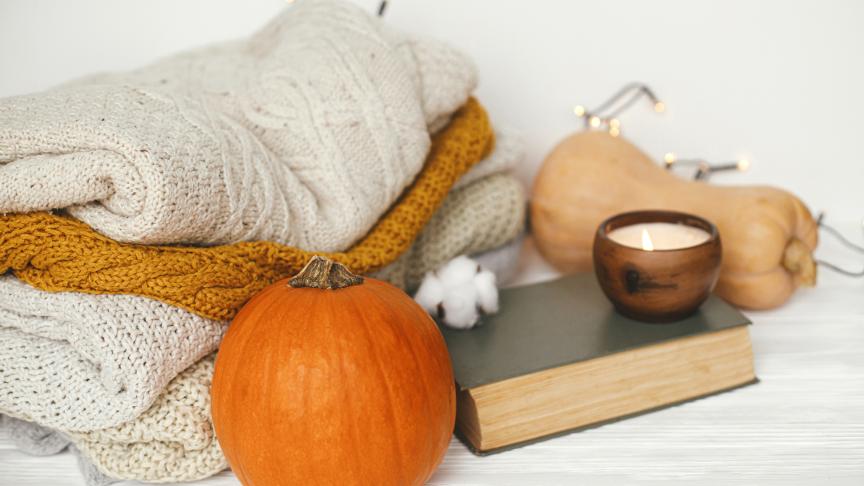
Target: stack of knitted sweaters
{"points": [[141, 210]]}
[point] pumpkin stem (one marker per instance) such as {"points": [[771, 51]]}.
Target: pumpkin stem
{"points": [[324, 273], [798, 260]]}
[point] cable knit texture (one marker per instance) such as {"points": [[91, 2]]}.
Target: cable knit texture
{"points": [[462, 228], [172, 441], [303, 134], [57, 253], [509, 151]]}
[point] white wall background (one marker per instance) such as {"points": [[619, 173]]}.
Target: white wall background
{"points": [[781, 82]]}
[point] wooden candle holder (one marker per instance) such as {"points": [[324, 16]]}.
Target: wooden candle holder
{"points": [[658, 285]]}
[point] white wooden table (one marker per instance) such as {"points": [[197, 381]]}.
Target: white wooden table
{"points": [[803, 424]]}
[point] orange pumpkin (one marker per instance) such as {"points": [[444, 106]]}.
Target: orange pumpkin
{"points": [[333, 379]]}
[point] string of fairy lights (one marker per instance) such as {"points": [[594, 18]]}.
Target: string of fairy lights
{"points": [[703, 167], [606, 117]]}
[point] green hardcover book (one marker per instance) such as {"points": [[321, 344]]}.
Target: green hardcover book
{"points": [[558, 358]]}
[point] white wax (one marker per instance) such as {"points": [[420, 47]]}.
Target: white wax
{"points": [[663, 236]]}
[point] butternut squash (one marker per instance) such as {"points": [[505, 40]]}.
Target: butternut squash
{"points": [[768, 234]]}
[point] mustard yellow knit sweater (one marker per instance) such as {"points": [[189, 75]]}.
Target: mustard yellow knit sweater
{"points": [[57, 253]]}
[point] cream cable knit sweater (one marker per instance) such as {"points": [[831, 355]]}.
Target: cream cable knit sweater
{"points": [[173, 440], [304, 134]]}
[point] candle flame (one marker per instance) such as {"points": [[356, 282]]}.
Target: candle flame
{"points": [[647, 244]]}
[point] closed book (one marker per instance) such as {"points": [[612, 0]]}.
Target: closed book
{"points": [[557, 357]]}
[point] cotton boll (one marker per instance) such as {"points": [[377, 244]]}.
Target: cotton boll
{"points": [[430, 293], [487, 291], [459, 270], [458, 293], [459, 307]]}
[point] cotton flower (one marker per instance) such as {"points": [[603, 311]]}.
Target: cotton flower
{"points": [[459, 293]]}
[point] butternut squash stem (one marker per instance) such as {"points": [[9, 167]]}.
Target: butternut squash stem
{"points": [[324, 273], [798, 260]]}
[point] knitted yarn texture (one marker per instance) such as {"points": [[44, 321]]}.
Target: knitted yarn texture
{"points": [[463, 226], [172, 441], [81, 362], [57, 253], [303, 134], [509, 151], [482, 219]]}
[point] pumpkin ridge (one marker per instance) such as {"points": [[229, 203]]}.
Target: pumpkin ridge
{"points": [[312, 301], [349, 404], [225, 387], [379, 369], [410, 345], [435, 335], [247, 341]]}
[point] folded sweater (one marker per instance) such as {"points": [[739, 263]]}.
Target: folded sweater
{"points": [[302, 134], [80, 362], [58, 253], [174, 440]]}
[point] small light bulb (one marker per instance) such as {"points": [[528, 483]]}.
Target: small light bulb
{"points": [[743, 165], [669, 158], [579, 110], [614, 123], [614, 131], [594, 121], [659, 107]]}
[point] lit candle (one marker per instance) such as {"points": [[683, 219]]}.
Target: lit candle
{"points": [[659, 236], [657, 266]]}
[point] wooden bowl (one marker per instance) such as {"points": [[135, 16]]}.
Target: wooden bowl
{"points": [[659, 285]]}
